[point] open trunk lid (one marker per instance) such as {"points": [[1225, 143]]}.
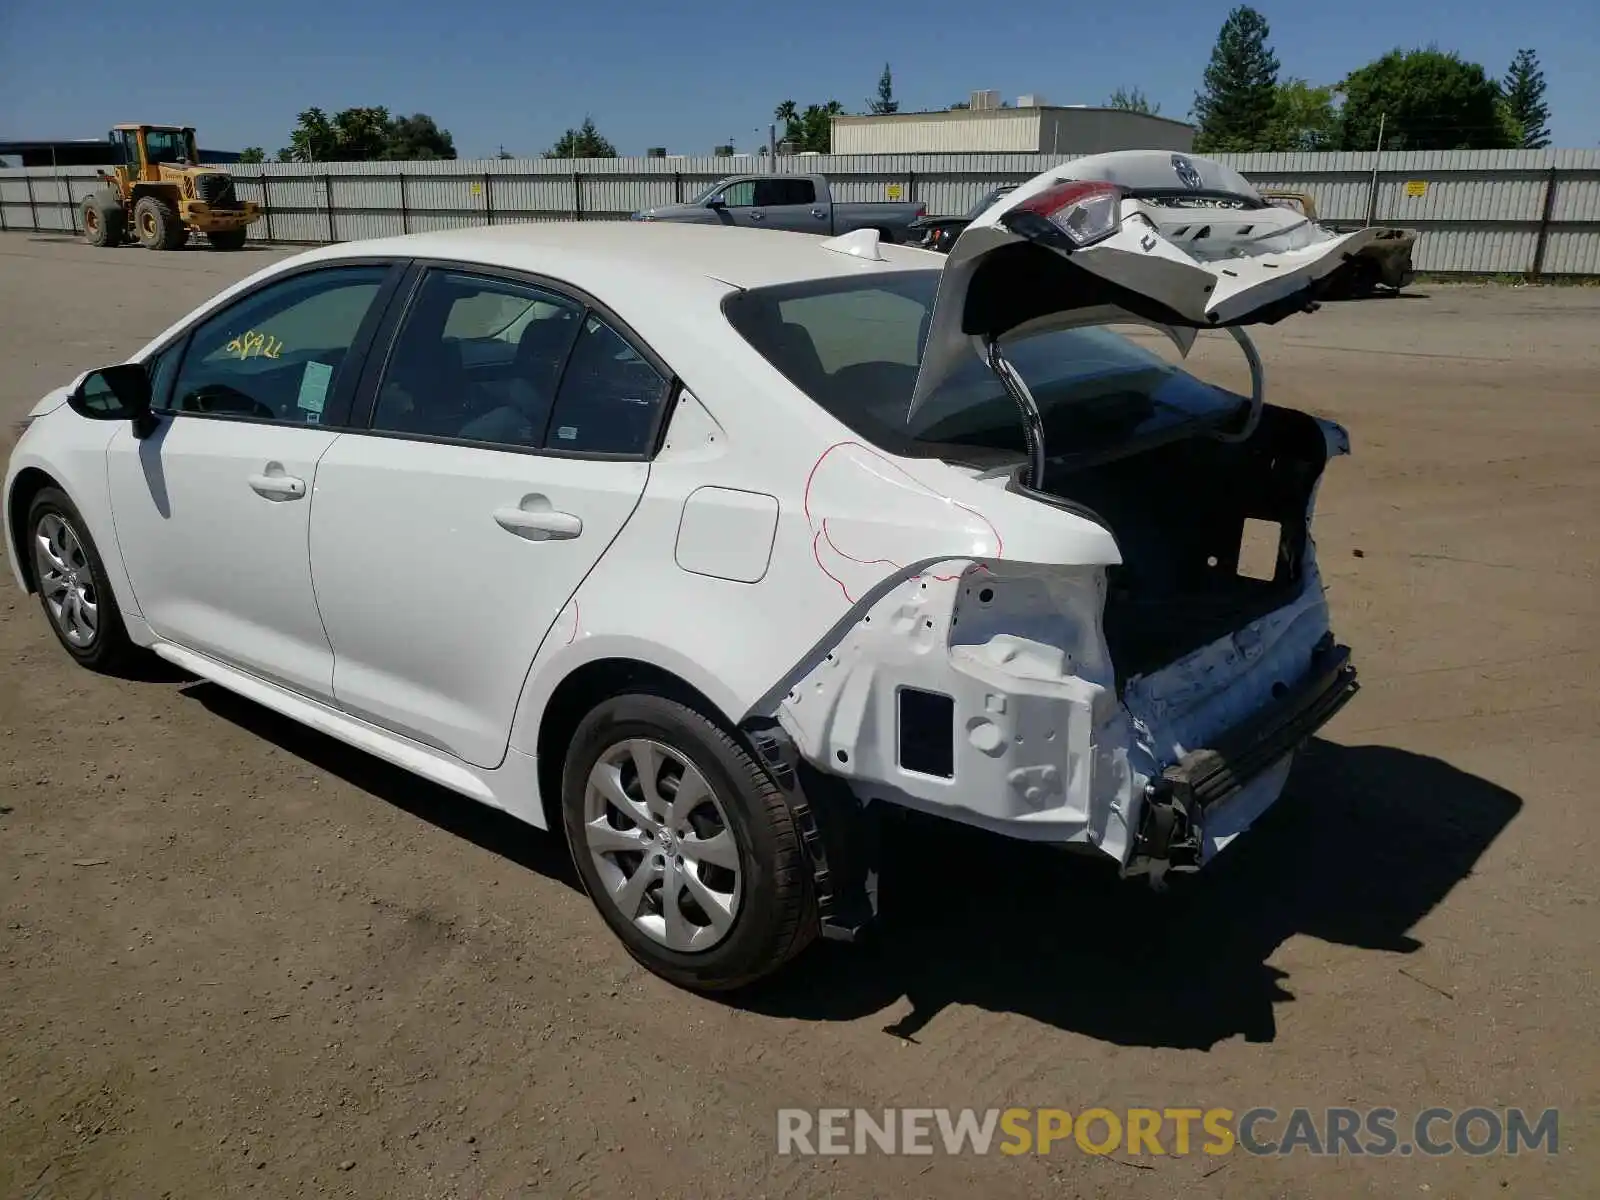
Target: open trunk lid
{"points": [[1174, 240]]}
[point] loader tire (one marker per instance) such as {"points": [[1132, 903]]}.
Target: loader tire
{"points": [[104, 222], [158, 225], [227, 239]]}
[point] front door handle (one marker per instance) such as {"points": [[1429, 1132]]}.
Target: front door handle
{"points": [[277, 487], [756, 215], [539, 525]]}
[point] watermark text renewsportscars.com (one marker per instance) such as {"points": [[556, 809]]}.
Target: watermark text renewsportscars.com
{"points": [[1379, 1132]]}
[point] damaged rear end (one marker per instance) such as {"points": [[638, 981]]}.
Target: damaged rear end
{"points": [[1147, 705], [1085, 605]]}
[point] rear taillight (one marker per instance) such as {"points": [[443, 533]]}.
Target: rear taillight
{"points": [[922, 211], [1082, 211]]}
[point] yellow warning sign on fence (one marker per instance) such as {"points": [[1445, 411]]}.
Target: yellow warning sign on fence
{"points": [[1416, 187], [896, 191]]}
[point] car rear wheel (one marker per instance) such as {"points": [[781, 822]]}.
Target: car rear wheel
{"points": [[72, 583], [685, 844]]}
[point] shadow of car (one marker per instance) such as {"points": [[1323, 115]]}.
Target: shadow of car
{"points": [[1366, 841]]}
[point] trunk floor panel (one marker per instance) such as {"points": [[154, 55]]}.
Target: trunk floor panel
{"points": [[1179, 513]]}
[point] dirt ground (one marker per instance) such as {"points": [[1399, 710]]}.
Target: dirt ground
{"points": [[240, 959]]}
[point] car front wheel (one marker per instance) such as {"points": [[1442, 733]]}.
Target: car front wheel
{"points": [[72, 583], [685, 844]]}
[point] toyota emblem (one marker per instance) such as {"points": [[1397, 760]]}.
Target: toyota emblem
{"points": [[1185, 171]]}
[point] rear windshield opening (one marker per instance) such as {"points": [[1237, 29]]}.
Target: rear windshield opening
{"points": [[853, 346]]}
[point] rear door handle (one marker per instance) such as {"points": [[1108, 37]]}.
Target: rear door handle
{"points": [[539, 525], [817, 212], [277, 487]]}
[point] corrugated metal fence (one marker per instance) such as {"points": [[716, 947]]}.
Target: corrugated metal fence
{"points": [[1524, 212]]}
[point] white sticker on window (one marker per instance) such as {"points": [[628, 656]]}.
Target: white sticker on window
{"points": [[567, 432], [314, 387]]}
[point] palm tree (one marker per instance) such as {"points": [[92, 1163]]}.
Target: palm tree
{"points": [[788, 114]]}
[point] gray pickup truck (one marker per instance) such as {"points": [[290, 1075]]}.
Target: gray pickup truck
{"points": [[800, 203]]}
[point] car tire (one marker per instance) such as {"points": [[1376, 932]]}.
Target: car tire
{"points": [[732, 917], [158, 225], [74, 589]]}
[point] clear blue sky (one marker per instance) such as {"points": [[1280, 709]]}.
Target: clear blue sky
{"points": [[689, 76]]}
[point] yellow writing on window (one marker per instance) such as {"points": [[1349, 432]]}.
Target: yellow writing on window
{"points": [[250, 343]]}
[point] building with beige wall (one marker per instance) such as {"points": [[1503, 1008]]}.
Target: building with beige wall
{"points": [[1031, 127]]}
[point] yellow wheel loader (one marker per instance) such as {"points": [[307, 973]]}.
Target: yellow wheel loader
{"points": [[159, 194]]}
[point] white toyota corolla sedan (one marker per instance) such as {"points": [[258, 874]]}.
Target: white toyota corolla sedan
{"points": [[705, 545]]}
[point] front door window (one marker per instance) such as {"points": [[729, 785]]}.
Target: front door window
{"points": [[279, 354]]}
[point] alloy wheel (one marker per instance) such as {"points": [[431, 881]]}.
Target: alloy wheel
{"points": [[661, 844], [66, 580]]}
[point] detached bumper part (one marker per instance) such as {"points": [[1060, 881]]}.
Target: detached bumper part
{"points": [[838, 833], [1172, 829]]}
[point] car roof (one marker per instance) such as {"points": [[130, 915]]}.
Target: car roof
{"points": [[598, 255]]}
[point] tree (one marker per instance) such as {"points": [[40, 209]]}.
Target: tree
{"points": [[788, 115], [1303, 118], [313, 139], [1133, 100], [1241, 85], [365, 135], [816, 126], [1427, 100], [1526, 110], [959, 106], [418, 137], [885, 103], [252, 154], [582, 142], [361, 134], [810, 128]]}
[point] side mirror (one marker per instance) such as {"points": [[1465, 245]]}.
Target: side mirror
{"points": [[716, 202], [119, 393]]}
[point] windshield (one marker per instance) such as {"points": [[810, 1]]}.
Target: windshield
{"points": [[853, 345], [167, 145], [707, 193]]}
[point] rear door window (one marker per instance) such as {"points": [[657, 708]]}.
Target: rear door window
{"points": [[610, 396], [779, 191], [478, 359]]}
